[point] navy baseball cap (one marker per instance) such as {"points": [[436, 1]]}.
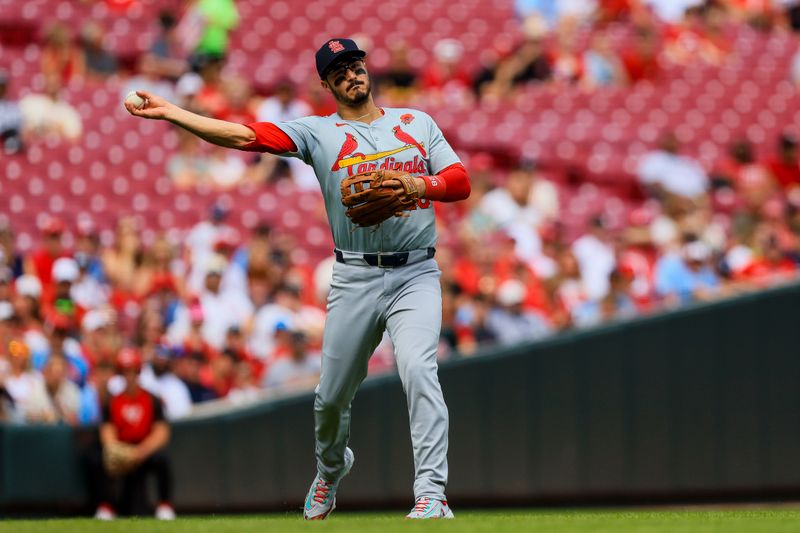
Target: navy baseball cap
{"points": [[332, 50]]}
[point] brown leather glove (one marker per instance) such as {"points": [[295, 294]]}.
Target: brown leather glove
{"points": [[374, 196], [119, 458]]}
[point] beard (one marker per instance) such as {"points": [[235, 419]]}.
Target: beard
{"points": [[356, 99]]}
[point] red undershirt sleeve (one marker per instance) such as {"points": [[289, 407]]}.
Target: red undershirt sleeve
{"points": [[449, 185], [269, 138]]}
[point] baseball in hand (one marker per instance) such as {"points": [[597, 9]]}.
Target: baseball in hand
{"points": [[135, 99]]}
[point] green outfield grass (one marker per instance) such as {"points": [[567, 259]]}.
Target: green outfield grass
{"points": [[466, 521]]}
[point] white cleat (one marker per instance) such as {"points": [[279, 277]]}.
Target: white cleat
{"points": [[165, 512], [321, 499], [104, 512], [426, 508]]}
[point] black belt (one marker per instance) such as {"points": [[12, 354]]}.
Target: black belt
{"points": [[383, 259]]}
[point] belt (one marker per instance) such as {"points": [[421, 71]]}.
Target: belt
{"points": [[384, 259]]}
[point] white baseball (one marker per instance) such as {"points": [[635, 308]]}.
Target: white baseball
{"points": [[135, 99]]}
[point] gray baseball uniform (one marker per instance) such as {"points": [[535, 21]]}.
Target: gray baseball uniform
{"points": [[366, 299]]}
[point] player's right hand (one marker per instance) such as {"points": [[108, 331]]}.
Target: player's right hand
{"points": [[154, 106]]}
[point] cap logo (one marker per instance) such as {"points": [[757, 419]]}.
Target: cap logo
{"points": [[335, 46]]}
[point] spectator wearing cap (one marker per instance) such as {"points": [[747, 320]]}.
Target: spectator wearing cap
{"points": [[134, 417], [471, 328], [686, 277], [159, 378], [40, 262], [446, 74], [188, 367], [220, 309], [509, 321], [60, 300], [25, 385], [288, 309], [11, 125], [100, 338], [298, 371], [615, 305]]}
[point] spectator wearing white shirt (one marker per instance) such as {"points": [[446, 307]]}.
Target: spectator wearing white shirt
{"points": [[596, 259], [298, 371], [663, 173], [221, 310], [158, 378], [47, 114]]}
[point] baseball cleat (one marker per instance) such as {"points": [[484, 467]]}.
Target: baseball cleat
{"points": [[321, 499], [426, 508]]}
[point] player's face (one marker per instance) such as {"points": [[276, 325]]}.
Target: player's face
{"points": [[349, 82]]}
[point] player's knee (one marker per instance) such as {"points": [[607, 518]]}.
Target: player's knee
{"points": [[324, 403], [418, 371]]}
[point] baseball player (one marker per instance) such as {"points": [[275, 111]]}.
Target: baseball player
{"points": [[385, 277]]}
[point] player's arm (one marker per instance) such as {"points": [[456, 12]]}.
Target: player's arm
{"points": [[157, 439], [219, 132], [108, 434], [451, 184]]}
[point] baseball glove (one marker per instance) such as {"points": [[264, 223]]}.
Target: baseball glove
{"points": [[374, 196], [119, 458]]}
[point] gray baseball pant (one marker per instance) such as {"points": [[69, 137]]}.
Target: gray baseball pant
{"points": [[363, 302]]}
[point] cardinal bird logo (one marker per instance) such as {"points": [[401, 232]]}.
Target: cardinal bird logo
{"points": [[348, 147], [407, 139], [407, 118]]}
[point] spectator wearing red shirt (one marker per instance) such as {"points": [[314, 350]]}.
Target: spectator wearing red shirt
{"points": [[641, 57], [40, 262], [785, 165], [135, 417]]}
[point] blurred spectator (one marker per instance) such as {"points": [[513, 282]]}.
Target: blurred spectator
{"points": [[509, 322], [61, 60], [10, 257], [245, 387], [187, 367], [188, 167], [211, 99], [663, 172], [471, 325], [88, 251], [26, 386], [95, 394], [567, 62], [99, 62], [445, 74], [282, 106], [220, 309], [398, 82], [595, 253], [615, 305], [199, 243], [286, 312], [11, 125], [206, 24], [40, 262], [511, 208], [299, 370], [751, 180], [239, 94], [603, 67], [158, 378], [49, 115], [120, 259], [641, 57], [134, 417], [785, 164], [531, 62], [698, 37], [226, 169], [148, 78], [671, 11], [167, 59], [62, 394], [687, 276]]}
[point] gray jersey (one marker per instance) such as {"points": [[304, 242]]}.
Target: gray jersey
{"points": [[402, 139]]}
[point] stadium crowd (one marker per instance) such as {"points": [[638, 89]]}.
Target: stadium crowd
{"points": [[227, 313]]}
